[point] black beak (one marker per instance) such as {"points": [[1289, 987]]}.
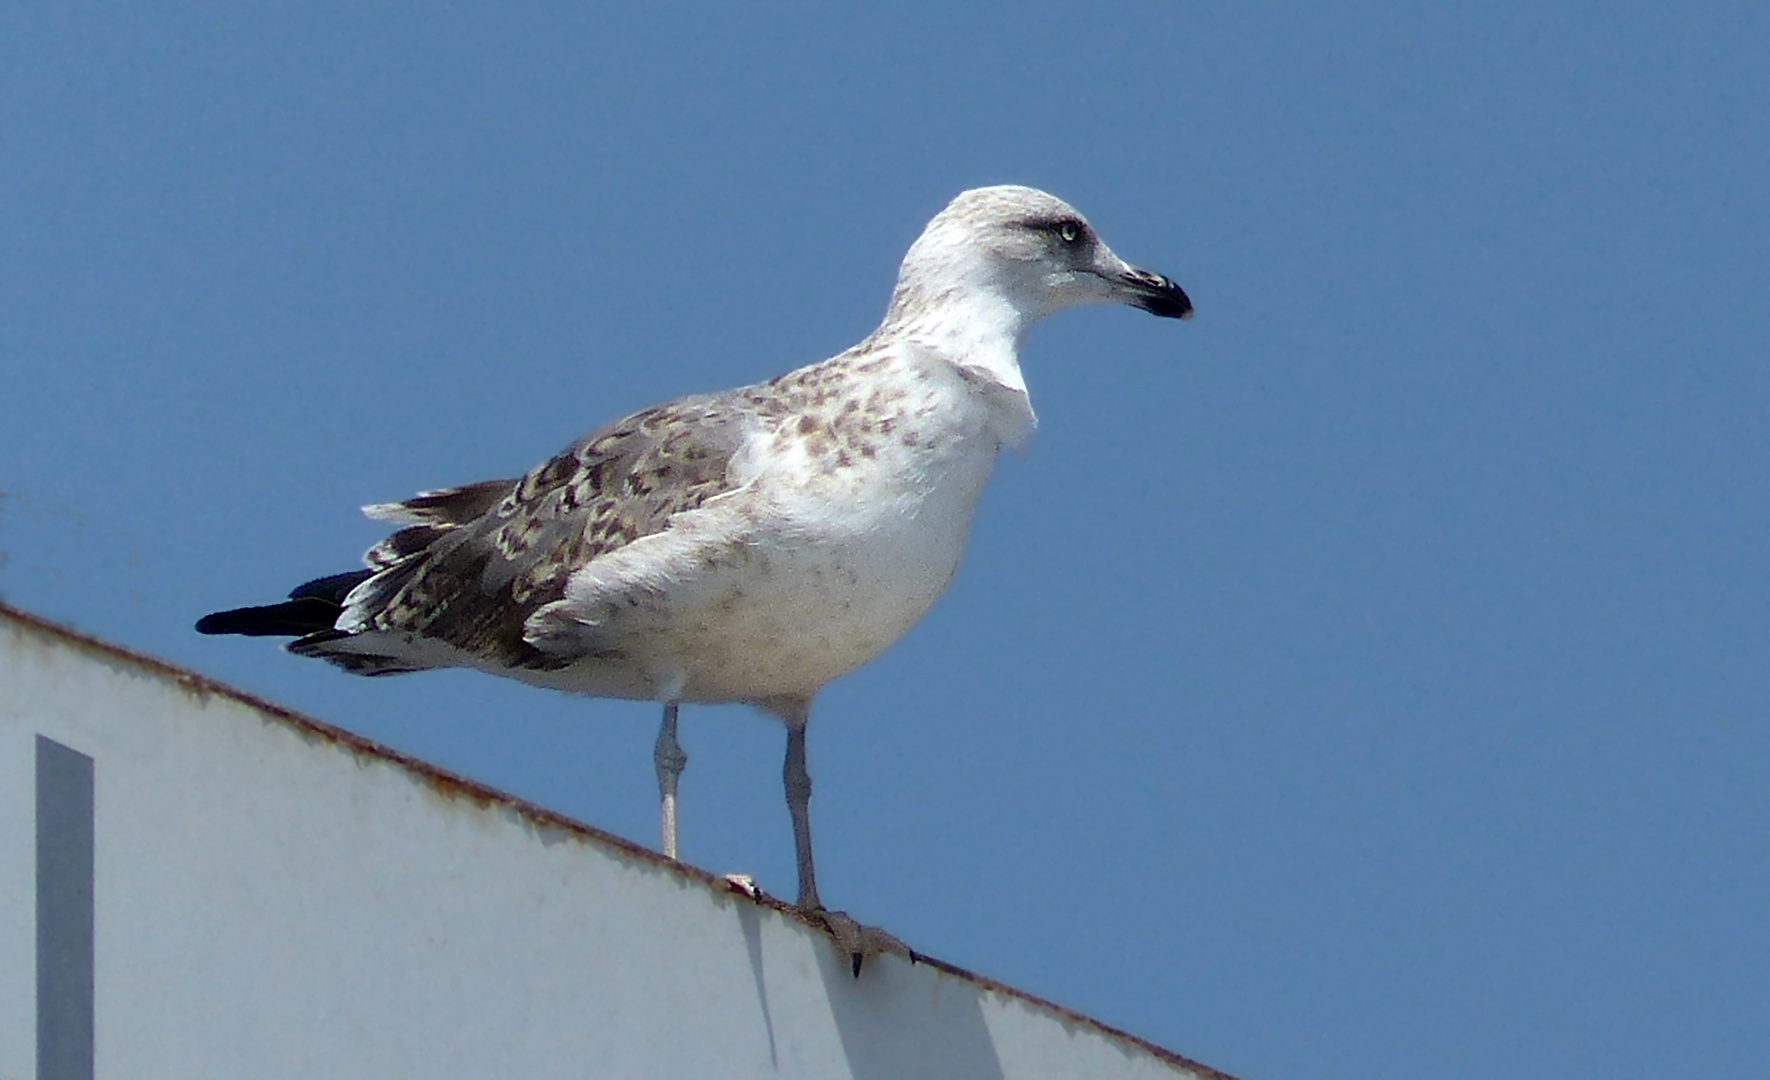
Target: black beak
{"points": [[1155, 294]]}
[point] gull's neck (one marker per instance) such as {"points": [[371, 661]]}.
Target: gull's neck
{"points": [[977, 330]]}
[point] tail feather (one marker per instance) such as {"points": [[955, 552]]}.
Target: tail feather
{"points": [[292, 618], [333, 588], [350, 658], [310, 614], [311, 607]]}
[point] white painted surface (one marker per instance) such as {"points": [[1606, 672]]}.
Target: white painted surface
{"points": [[276, 901]]}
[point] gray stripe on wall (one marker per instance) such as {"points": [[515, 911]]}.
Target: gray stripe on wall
{"points": [[64, 912]]}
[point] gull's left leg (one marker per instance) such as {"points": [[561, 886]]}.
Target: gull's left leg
{"points": [[670, 760]]}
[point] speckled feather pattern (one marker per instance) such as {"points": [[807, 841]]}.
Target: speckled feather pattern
{"points": [[473, 582], [477, 583]]}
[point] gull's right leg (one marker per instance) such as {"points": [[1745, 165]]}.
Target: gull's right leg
{"points": [[798, 785], [855, 941]]}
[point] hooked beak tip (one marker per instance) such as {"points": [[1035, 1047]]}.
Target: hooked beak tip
{"points": [[1157, 295], [1154, 294]]}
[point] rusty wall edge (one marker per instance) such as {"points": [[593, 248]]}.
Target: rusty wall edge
{"points": [[450, 784]]}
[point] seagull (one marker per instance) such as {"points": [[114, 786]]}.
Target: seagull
{"points": [[746, 546]]}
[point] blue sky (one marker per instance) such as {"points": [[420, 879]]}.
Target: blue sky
{"points": [[1366, 678]]}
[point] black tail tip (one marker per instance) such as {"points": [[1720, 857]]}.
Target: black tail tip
{"points": [[226, 622], [291, 618]]}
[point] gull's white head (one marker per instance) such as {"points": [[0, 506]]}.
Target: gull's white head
{"points": [[1025, 252]]}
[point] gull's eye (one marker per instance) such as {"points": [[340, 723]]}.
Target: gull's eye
{"points": [[1069, 230]]}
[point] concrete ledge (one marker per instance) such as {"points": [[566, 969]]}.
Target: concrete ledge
{"points": [[272, 896]]}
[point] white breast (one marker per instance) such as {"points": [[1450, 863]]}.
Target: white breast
{"points": [[838, 545]]}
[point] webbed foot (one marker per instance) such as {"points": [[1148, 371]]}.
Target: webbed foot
{"points": [[854, 940]]}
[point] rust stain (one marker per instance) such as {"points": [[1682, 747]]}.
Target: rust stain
{"points": [[201, 688], [450, 789]]}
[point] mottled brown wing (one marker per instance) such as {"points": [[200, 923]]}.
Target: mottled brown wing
{"points": [[430, 514], [473, 585]]}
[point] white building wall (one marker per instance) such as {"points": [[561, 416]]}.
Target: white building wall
{"points": [[275, 898]]}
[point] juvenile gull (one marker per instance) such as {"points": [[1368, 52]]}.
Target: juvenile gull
{"points": [[748, 546]]}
